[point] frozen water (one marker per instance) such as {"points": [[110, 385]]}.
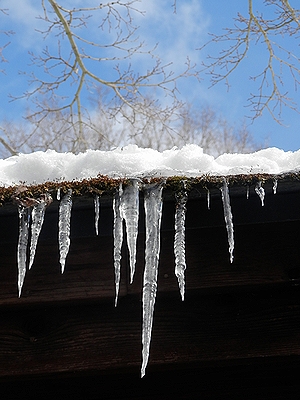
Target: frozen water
{"points": [[179, 240], [260, 191], [228, 217], [24, 220], [275, 185], [37, 220], [65, 208], [97, 213], [118, 239], [208, 199], [153, 213], [130, 213]]}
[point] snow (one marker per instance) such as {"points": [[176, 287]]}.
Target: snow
{"points": [[132, 161]]}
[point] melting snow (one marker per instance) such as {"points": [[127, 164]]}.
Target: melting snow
{"points": [[133, 161]]}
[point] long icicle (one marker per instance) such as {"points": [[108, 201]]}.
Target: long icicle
{"points": [[228, 217], [179, 240], [118, 239], [130, 213], [153, 213], [24, 219], [97, 213], [260, 191], [37, 220], [65, 209]]}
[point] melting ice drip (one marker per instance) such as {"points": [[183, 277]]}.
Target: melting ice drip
{"points": [[130, 214], [64, 219], [126, 208], [228, 217], [260, 191], [24, 220], [153, 214], [37, 214], [179, 240], [97, 213], [118, 239]]}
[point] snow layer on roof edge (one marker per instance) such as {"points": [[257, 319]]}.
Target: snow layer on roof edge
{"points": [[132, 161]]}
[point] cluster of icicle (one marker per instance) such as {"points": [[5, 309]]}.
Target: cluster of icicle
{"points": [[125, 208]]}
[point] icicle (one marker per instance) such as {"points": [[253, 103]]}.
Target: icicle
{"points": [[24, 218], [37, 220], [247, 193], [260, 191], [118, 239], [275, 184], [65, 208], [58, 194], [228, 217], [179, 240], [208, 199], [97, 213], [130, 213], [153, 213]]}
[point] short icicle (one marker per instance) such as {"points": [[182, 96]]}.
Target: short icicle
{"points": [[228, 217], [247, 192], [130, 213], [118, 239], [208, 199], [24, 219], [37, 220], [275, 185], [65, 208], [153, 214], [260, 191], [179, 240], [97, 213]]}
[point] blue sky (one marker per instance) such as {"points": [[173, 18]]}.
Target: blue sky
{"points": [[178, 36]]}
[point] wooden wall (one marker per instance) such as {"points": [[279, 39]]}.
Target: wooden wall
{"points": [[236, 334]]}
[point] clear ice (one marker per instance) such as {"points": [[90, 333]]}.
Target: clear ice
{"points": [[179, 240], [130, 213], [37, 220], [228, 217], [260, 191], [275, 184], [24, 220], [153, 214], [208, 199], [97, 213], [118, 239], [65, 208]]}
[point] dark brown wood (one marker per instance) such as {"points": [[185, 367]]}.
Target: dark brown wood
{"points": [[239, 321]]}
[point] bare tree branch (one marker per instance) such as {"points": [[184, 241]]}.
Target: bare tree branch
{"points": [[253, 30], [74, 69]]}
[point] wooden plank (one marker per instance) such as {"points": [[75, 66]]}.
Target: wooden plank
{"points": [[204, 331], [265, 254]]}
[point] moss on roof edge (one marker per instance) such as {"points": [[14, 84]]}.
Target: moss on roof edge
{"points": [[104, 185]]}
